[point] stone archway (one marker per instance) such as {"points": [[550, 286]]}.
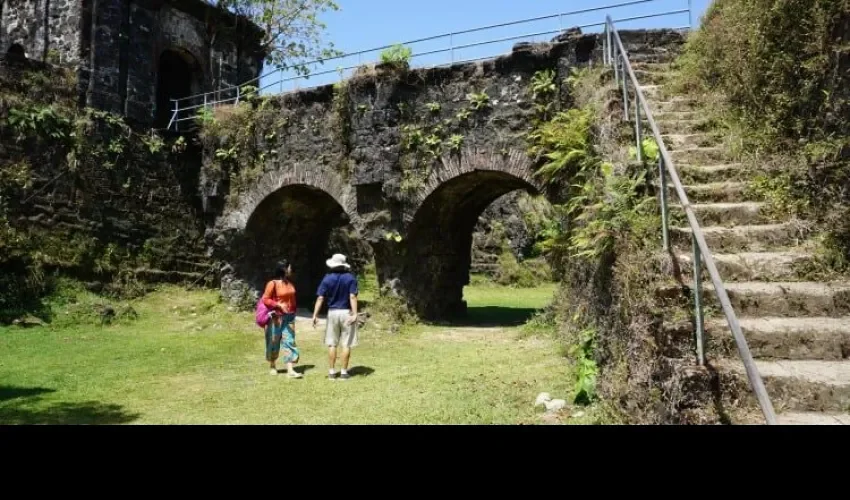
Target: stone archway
{"points": [[288, 214], [439, 237]]}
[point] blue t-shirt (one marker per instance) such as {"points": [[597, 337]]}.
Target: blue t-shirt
{"points": [[336, 288]]}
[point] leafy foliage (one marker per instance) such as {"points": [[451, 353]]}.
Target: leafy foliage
{"points": [[585, 367], [780, 63], [544, 93], [397, 55], [649, 150], [605, 210], [478, 100], [566, 142], [292, 29], [75, 145]]}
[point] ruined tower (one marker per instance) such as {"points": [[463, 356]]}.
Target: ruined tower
{"points": [[133, 56]]}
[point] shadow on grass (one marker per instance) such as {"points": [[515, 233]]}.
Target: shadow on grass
{"points": [[361, 371], [493, 316], [24, 406], [7, 393]]}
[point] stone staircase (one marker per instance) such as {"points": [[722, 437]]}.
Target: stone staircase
{"points": [[798, 330]]}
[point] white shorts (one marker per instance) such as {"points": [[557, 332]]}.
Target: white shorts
{"points": [[337, 332]]}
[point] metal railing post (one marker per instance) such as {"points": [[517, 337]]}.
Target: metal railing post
{"points": [[700, 330], [625, 87], [662, 174], [638, 135], [690, 14], [605, 46], [238, 93], [616, 64], [173, 116]]}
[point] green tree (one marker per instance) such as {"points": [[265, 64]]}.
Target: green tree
{"points": [[293, 33]]}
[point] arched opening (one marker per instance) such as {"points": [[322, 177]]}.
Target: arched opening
{"points": [[16, 51], [439, 245], [179, 76], [297, 223]]}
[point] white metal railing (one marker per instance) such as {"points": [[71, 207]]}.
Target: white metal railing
{"points": [[278, 82]]}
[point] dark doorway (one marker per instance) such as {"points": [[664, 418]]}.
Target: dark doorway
{"points": [[178, 77], [16, 51]]}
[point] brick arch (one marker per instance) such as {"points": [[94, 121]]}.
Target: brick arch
{"points": [[252, 234], [317, 177], [441, 219], [513, 162]]}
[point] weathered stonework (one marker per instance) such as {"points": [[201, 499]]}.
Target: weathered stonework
{"points": [[118, 49], [143, 209], [353, 157], [324, 174], [417, 213]]}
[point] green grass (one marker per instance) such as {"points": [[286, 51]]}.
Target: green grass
{"points": [[188, 360]]}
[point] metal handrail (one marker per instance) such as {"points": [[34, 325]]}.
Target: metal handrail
{"points": [[235, 93], [616, 55]]}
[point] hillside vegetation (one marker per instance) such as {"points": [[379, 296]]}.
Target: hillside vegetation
{"points": [[776, 72]]}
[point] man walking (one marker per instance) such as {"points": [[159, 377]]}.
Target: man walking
{"points": [[339, 288]]}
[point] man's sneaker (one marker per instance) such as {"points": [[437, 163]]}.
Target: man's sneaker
{"points": [[294, 374], [344, 376], [332, 376]]}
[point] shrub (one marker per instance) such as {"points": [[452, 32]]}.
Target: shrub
{"points": [[397, 55], [782, 64]]}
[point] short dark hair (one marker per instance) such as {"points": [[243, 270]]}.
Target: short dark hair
{"points": [[280, 268]]}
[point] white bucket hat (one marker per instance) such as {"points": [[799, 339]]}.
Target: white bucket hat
{"points": [[338, 260]]}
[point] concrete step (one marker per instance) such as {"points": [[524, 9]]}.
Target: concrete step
{"points": [[682, 126], [676, 142], [653, 94], [723, 214], [799, 386], [652, 77], [663, 106], [787, 299], [707, 174], [653, 66], [700, 156], [813, 418], [806, 338], [753, 266], [652, 57], [758, 238], [715, 192], [664, 116]]}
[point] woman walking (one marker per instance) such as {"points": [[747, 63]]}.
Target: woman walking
{"points": [[279, 298]]}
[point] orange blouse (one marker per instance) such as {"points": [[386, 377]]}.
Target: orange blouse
{"points": [[280, 295]]}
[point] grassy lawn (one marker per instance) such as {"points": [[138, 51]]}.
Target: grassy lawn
{"points": [[188, 360]]}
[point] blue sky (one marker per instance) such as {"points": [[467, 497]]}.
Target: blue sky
{"points": [[366, 24]]}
